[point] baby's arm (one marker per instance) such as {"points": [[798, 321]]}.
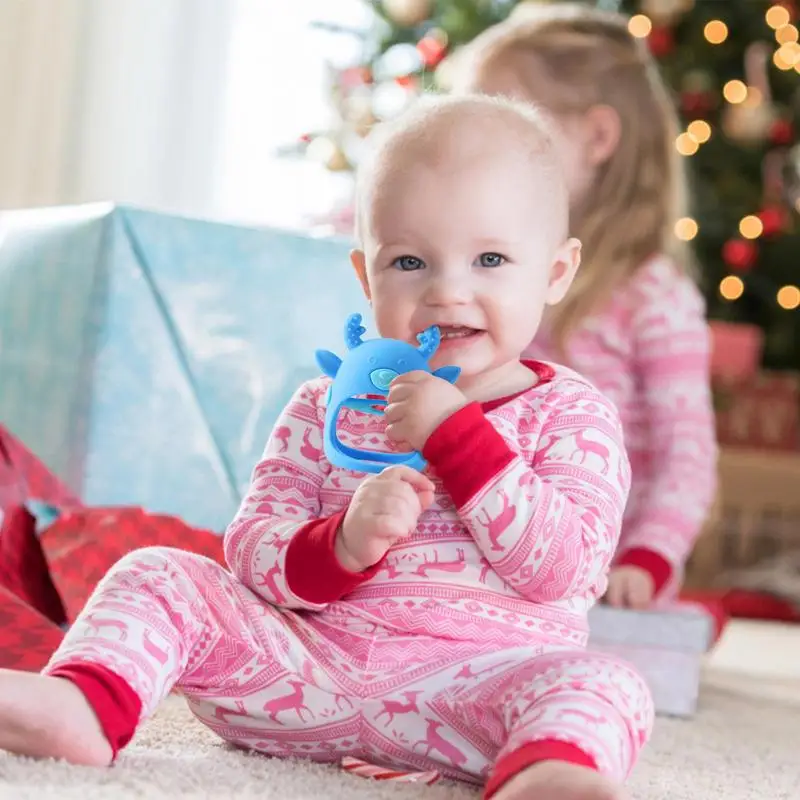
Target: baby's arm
{"points": [[278, 545], [549, 528], [672, 347]]}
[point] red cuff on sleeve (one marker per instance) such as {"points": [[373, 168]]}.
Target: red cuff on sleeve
{"points": [[113, 701], [466, 452], [313, 572], [529, 754], [659, 568]]}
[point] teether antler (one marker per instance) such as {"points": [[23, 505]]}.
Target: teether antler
{"points": [[353, 331], [428, 341]]}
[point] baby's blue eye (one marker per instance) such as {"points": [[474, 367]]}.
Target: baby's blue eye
{"points": [[491, 259], [408, 263], [382, 378]]}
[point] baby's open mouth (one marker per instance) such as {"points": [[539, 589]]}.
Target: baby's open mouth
{"points": [[457, 331]]}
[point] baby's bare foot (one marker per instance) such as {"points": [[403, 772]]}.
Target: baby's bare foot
{"points": [[559, 780], [46, 717]]}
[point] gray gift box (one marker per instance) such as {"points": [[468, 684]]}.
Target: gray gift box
{"points": [[667, 647]]}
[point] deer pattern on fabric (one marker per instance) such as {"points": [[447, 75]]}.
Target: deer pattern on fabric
{"points": [[465, 643], [648, 350]]}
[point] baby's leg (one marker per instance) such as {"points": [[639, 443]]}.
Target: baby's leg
{"points": [[576, 724], [155, 615]]}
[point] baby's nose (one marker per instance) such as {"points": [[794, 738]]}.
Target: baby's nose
{"points": [[449, 289]]}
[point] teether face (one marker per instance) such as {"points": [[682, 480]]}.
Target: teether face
{"points": [[368, 368]]}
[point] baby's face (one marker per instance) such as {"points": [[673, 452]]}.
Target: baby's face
{"points": [[470, 246]]}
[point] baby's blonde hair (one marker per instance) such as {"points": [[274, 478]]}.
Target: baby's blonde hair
{"points": [[474, 126], [569, 58]]}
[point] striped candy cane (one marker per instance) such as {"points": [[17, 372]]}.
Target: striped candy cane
{"points": [[366, 770]]}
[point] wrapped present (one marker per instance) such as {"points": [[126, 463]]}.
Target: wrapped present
{"points": [[666, 645], [736, 350], [27, 639], [755, 520], [82, 545], [145, 357], [760, 413], [24, 478]]}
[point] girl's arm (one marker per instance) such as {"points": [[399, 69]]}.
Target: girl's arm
{"points": [[672, 353], [278, 545], [549, 527]]}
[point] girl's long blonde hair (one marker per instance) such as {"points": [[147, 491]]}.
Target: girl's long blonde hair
{"points": [[569, 58]]}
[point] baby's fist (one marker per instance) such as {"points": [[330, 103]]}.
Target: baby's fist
{"points": [[384, 508], [417, 404]]}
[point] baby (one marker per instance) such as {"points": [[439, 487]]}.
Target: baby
{"points": [[425, 620]]}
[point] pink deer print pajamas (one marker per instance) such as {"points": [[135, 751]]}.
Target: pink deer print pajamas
{"points": [[462, 651], [648, 351]]}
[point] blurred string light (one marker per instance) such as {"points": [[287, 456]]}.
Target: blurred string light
{"points": [[786, 35], [686, 144], [699, 130], [716, 31], [640, 26], [686, 229], [777, 17], [789, 297], [731, 287], [735, 91], [751, 227]]}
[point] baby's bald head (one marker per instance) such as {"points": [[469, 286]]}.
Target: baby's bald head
{"points": [[455, 133]]}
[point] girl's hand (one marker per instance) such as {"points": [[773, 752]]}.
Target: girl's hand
{"points": [[630, 587]]}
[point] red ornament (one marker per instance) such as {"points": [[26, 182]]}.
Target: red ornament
{"points": [[432, 51], [740, 254], [773, 219], [781, 132], [661, 41], [406, 81], [696, 104]]}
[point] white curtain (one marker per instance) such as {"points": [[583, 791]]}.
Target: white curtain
{"points": [[112, 100], [39, 45]]}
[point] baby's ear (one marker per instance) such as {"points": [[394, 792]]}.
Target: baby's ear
{"points": [[359, 262], [562, 271]]}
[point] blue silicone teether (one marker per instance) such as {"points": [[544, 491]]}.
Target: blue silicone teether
{"points": [[369, 368]]}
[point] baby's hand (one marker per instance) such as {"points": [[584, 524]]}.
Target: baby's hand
{"points": [[630, 587], [417, 404], [384, 508]]}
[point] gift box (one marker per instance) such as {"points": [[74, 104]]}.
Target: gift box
{"points": [[755, 518], [762, 412], [145, 357], [736, 350], [666, 646]]}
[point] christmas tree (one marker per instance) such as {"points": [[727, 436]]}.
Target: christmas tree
{"points": [[734, 68]]}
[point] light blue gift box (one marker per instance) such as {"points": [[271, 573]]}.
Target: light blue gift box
{"points": [[145, 357]]}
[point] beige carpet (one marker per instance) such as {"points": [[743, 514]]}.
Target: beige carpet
{"points": [[743, 745]]}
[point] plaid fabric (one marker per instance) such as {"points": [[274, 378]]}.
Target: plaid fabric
{"points": [[45, 580], [82, 545], [24, 477], [27, 639]]}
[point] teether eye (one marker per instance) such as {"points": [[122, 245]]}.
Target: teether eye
{"points": [[382, 378]]}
